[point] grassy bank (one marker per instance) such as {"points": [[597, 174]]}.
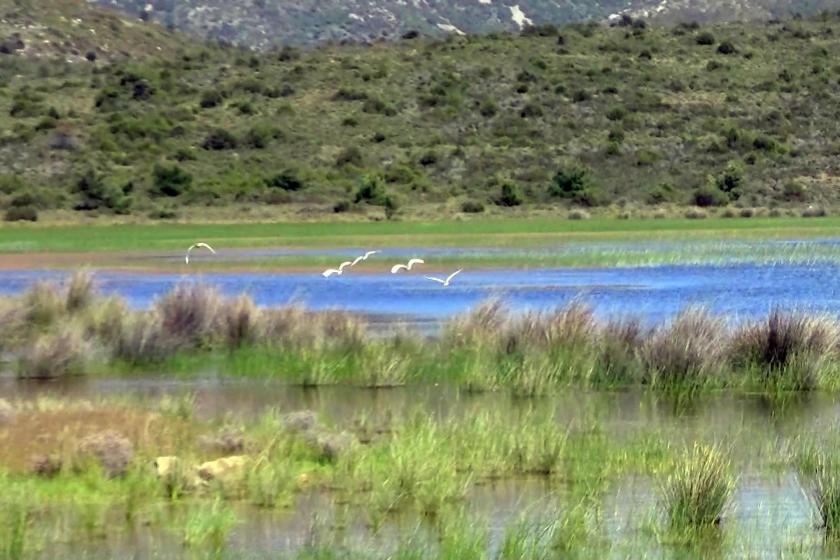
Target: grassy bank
{"points": [[53, 331], [538, 242]]}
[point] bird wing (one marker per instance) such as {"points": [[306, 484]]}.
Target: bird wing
{"points": [[435, 279], [329, 272], [454, 274], [397, 267], [356, 261], [187, 258], [368, 254], [206, 246], [412, 262], [344, 265]]}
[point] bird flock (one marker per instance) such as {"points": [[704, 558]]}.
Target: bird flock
{"points": [[395, 269]]}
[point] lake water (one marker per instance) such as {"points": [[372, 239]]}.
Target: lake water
{"points": [[651, 292]]}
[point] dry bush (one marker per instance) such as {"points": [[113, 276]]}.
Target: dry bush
{"points": [[55, 354], [81, 291], [188, 314], [239, 321], [688, 350]]}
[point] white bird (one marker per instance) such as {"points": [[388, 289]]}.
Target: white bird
{"points": [[340, 270], [448, 278], [397, 267], [364, 257], [195, 246]]}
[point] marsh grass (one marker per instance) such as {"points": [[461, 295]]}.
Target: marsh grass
{"points": [[696, 493], [687, 352], [209, 527], [788, 350], [55, 354]]}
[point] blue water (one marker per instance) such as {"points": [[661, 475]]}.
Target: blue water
{"points": [[654, 293]]}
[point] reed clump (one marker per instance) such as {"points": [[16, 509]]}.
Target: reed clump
{"points": [[698, 490], [55, 354], [685, 352], [787, 349]]}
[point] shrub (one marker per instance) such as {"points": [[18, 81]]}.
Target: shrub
{"points": [[510, 195], [350, 156], [188, 314], [258, 137], [240, 322], [574, 182], [54, 355], [219, 139], [705, 38], [731, 180], [211, 98], [170, 180], [789, 349], [21, 214], [687, 351], [95, 194], [81, 291], [488, 108], [288, 180], [371, 190], [709, 196], [472, 207], [531, 110], [616, 114], [579, 215], [341, 206], [814, 212], [698, 489], [726, 47]]}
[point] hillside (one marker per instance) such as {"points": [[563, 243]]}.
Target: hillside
{"points": [[632, 116], [266, 23]]}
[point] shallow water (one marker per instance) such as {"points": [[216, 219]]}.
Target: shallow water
{"points": [[771, 515], [653, 293]]}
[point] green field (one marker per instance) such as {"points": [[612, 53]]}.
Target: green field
{"points": [[597, 242]]}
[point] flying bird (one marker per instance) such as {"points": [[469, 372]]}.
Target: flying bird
{"points": [[196, 246], [364, 257], [397, 267], [339, 271], [448, 278]]}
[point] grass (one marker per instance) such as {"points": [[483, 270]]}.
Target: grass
{"points": [[193, 330], [698, 490]]}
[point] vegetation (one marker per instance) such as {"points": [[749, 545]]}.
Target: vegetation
{"points": [[629, 116], [54, 331]]}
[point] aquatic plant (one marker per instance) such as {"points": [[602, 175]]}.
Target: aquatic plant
{"points": [[697, 491], [81, 291], [209, 527], [240, 322], [42, 304]]}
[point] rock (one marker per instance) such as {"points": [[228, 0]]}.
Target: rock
{"points": [[7, 412], [176, 474], [300, 421], [226, 443], [46, 466], [111, 450], [226, 469]]}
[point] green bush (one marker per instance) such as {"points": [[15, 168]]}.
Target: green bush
{"points": [[170, 180], [371, 190], [705, 38], [731, 180], [349, 156], [472, 207], [219, 139], [95, 194], [211, 98], [260, 136], [21, 214], [287, 180], [575, 183], [709, 196], [510, 195]]}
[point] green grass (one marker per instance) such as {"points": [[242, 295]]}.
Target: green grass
{"points": [[526, 238]]}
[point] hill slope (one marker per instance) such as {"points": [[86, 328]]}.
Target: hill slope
{"points": [[263, 23], [743, 114]]}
